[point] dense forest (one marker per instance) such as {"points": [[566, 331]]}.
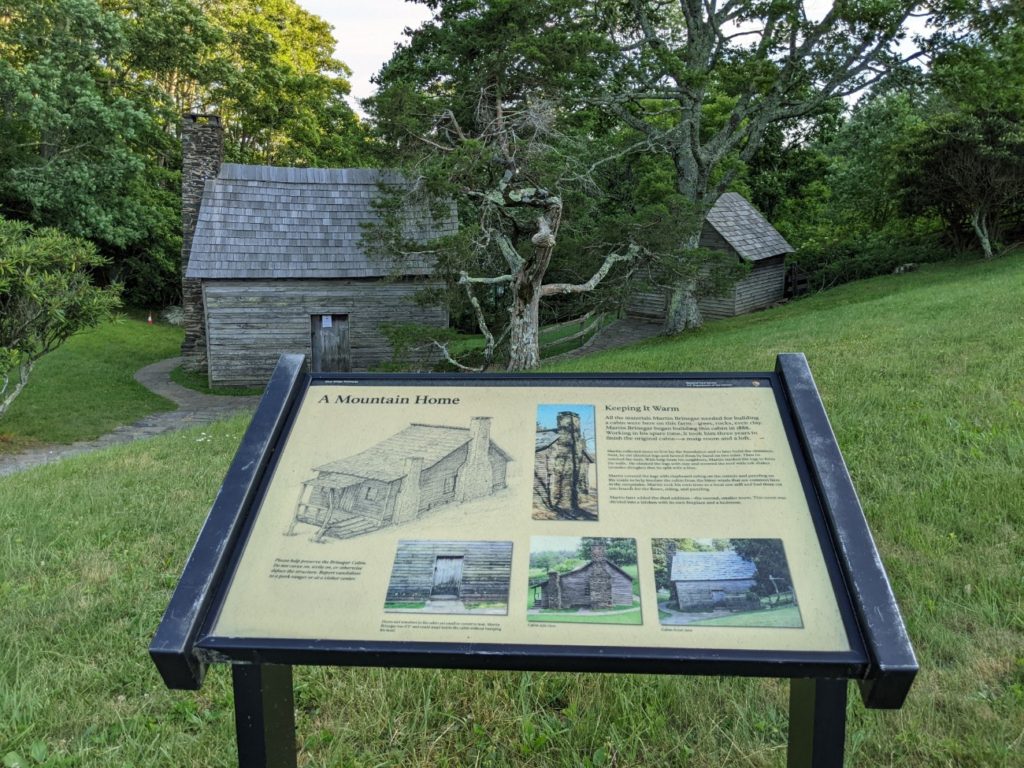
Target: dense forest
{"points": [[613, 124]]}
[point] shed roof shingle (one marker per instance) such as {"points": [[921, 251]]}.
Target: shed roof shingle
{"points": [[745, 229], [711, 566], [260, 221]]}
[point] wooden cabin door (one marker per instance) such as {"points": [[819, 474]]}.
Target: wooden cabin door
{"points": [[447, 577], [330, 343]]}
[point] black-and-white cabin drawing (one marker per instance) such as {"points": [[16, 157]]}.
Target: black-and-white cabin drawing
{"points": [[418, 469]]}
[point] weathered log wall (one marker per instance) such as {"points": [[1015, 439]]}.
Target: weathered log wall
{"points": [[486, 569], [251, 323]]}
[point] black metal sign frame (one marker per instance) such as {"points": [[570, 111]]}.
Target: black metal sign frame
{"points": [[880, 658]]}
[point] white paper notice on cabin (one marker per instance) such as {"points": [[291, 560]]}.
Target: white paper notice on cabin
{"points": [[327, 321]]}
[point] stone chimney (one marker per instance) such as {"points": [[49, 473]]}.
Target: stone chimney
{"points": [[407, 504], [202, 151], [554, 590], [475, 478], [600, 578], [570, 479], [670, 555]]}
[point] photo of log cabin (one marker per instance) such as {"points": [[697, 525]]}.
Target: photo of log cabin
{"points": [[581, 579], [451, 577], [400, 479], [724, 583], [565, 463]]}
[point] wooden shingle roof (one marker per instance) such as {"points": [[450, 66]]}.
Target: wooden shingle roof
{"points": [[711, 566], [260, 221], [745, 229]]}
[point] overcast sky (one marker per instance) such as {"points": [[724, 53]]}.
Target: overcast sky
{"points": [[366, 31]]}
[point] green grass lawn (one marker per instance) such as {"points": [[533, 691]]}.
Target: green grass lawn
{"points": [[923, 376], [570, 616], [84, 388], [551, 338]]}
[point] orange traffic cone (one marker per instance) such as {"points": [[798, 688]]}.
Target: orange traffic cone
{"points": [[150, 318]]}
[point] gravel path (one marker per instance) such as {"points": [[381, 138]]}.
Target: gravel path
{"points": [[194, 408]]}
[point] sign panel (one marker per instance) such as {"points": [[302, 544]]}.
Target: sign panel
{"points": [[527, 513]]}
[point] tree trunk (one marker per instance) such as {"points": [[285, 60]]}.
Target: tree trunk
{"points": [[524, 320], [23, 371], [524, 325], [981, 230], [683, 312]]}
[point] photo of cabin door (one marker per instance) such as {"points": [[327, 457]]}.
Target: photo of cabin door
{"points": [[447, 578], [330, 346]]}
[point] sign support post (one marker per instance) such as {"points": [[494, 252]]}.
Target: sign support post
{"points": [[817, 723], [264, 715]]}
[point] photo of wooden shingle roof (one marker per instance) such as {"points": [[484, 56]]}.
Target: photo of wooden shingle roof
{"points": [[745, 229], [260, 221], [711, 566]]}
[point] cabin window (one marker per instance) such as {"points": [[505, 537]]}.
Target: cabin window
{"points": [[372, 492], [449, 484]]}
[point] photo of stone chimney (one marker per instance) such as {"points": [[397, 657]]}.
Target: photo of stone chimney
{"points": [[564, 462]]}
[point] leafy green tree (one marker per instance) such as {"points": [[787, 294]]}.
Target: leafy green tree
{"points": [[619, 551], [478, 108], [46, 296], [758, 64], [67, 159], [280, 91], [770, 558], [965, 160]]}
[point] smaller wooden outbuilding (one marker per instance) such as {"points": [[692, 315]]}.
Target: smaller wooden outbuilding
{"points": [[704, 581], [598, 584], [737, 230], [471, 571]]}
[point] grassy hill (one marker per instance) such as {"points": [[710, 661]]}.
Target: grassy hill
{"points": [[923, 376]]}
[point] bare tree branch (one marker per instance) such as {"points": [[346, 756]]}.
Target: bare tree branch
{"points": [[554, 289]]}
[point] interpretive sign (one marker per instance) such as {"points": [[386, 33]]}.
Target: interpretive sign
{"points": [[682, 523]]}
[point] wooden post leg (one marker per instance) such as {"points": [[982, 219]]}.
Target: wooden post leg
{"points": [[817, 723], [264, 715]]}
